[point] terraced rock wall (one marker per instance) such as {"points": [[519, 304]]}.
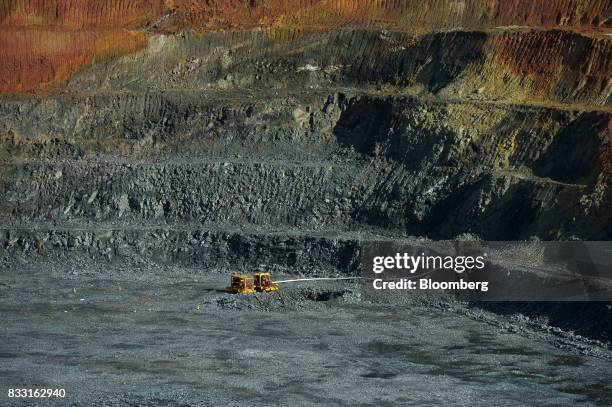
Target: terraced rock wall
{"points": [[289, 140]]}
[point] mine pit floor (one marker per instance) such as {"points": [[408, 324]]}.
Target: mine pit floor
{"points": [[180, 340]]}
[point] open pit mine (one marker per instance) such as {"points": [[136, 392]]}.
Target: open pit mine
{"points": [[149, 150]]}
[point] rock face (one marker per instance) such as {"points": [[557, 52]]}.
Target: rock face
{"points": [[42, 43], [286, 132]]}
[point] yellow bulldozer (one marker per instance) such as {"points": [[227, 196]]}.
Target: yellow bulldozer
{"points": [[260, 282], [264, 283], [241, 283]]}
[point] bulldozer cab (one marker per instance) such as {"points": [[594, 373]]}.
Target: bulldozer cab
{"points": [[241, 283], [263, 282]]}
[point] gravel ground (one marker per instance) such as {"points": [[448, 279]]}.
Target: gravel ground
{"points": [[180, 340]]}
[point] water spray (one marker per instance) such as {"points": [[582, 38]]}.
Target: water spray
{"points": [[318, 278]]}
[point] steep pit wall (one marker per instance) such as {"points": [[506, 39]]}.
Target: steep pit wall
{"points": [[171, 131], [549, 68], [205, 249], [45, 42], [337, 162]]}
